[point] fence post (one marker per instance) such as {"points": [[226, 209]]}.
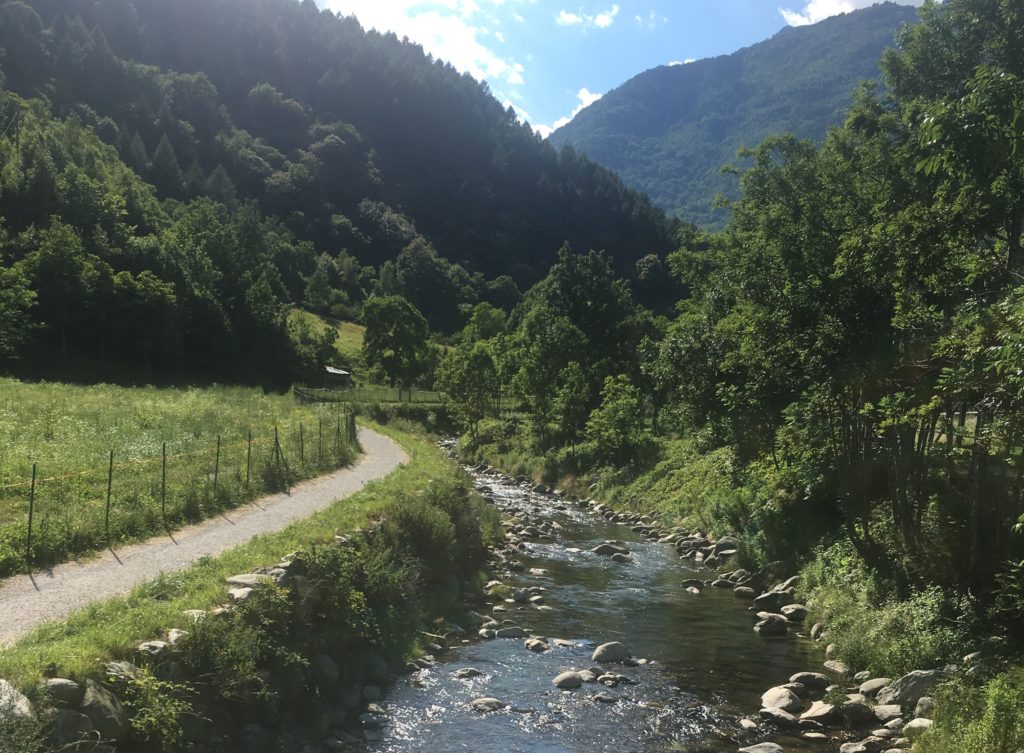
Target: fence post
{"points": [[110, 484], [216, 470], [302, 446], [248, 459], [163, 485], [320, 441], [31, 511]]}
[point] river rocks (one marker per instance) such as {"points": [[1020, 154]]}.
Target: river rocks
{"points": [[12, 702], [63, 692], [239, 595], [781, 698], [763, 748], [817, 630], [779, 717], [485, 705], [837, 666], [795, 612], [105, 711], [152, 649], [466, 673], [68, 727], [907, 690], [607, 549], [568, 681], [513, 631], [772, 625], [772, 601], [887, 712], [814, 680], [620, 557], [916, 727], [819, 712], [613, 652], [744, 592], [536, 645], [857, 714], [870, 688], [925, 706]]}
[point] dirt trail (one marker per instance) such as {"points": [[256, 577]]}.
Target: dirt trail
{"points": [[28, 601]]}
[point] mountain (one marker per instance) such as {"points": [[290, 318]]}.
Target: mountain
{"points": [[175, 176], [348, 136], [669, 130]]}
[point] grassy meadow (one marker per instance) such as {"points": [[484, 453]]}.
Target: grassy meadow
{"points": [[69, 431], [350, 335]]}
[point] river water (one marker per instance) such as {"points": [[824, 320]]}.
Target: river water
{"points": [[708, 666]]}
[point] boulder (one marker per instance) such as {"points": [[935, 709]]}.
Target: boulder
{"points": [[763, 748], [485, 705], [779, 717], [909, 689], [568, 681], [745, 593], [816, 630], [611, 652], [105, 711], [916, 727], [858, 714], [870, 688], [513, 631], [64, 692], [811, 679], [837, 666], [607, 550], [536, 645], [795, 612], [781, 698], [772, 601], [466, 672], [12, 702], [820, 712], [925, 706], [69, 727], [887, 712], [772, 625]]}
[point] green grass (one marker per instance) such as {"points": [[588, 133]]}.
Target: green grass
{"points": [[350, 335], [68, 432], [79, 646]]}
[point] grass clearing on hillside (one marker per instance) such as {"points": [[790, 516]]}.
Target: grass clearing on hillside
{"points": [[350, 335], [69, 431], [79, 646]]}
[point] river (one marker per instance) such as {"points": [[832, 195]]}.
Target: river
{"points": [[707, 666]]}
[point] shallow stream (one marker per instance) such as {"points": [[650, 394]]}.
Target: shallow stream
{"points": [[708, 667]]}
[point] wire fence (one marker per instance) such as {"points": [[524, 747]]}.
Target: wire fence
{"points": [[368, 394], [52, 517]]}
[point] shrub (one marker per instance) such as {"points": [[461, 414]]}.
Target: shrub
{"points": [[989, 719], [157, 707], [874, 630]]}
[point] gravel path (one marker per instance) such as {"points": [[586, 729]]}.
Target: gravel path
{"points": [[28, 601]]}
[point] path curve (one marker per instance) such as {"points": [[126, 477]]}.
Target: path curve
{"points": [[26, 602]]}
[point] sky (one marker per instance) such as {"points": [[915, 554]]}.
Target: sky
{"points": [[548, 59]]}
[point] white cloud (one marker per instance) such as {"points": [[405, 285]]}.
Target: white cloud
{"points": [[606, 18], [452, 30], [818, 10], [651, 21], [585, 97], [601, 20], [499, 36]]}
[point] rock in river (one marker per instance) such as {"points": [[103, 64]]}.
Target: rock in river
{"points": [[763, 748], [568, 681], [487, 704], [611, 652], [781, 698]]}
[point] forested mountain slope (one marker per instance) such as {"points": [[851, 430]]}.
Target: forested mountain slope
{"points": [[669, 130], [323, 123], [201, 164]]}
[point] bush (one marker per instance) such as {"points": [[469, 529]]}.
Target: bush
{"points": [[989, 719], [874, 630]]}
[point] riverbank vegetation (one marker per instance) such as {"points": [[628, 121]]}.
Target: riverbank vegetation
{"points": [[840, 382], [372, 594], [167, 457]]}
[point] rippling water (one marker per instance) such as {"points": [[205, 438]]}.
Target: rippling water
{"points": [[708, 665]]}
